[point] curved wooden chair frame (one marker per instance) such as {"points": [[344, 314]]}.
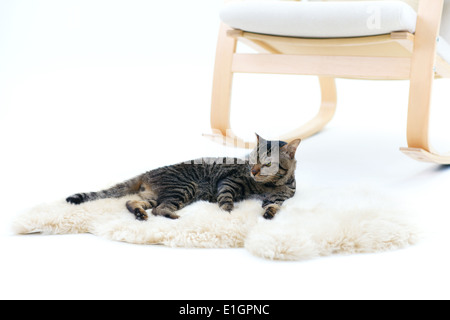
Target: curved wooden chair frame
{"points": [[395, 56]]}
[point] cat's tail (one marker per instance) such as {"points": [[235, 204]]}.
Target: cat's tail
{"points": [[126, 188]]}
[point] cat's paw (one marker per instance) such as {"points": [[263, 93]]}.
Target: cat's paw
{"points": [[140, 214], [228, 207], [268, 216], [76, 199], [165, 212], [172, 216], [271, 211]]}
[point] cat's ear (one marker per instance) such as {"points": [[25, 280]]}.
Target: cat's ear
{"points": [[291, 148], [259, 139]]}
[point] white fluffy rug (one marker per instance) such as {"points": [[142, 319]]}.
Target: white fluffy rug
{"points": [[316, 222]]}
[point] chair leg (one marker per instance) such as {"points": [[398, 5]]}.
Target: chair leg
{"points": [[419, 147], [221, 92], [421, 83], [222, 82]]}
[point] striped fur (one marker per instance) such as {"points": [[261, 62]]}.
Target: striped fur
{"points": [[268, 175]]}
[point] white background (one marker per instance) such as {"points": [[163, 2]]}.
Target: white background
{"points": [[94, 92]]}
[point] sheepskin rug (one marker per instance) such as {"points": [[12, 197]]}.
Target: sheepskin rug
{"points": [[316, 222]]}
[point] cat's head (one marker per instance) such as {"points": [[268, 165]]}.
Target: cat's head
{"points": [[273, 161]]}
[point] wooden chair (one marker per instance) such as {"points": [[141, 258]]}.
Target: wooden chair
{"points": [[399, 55]]}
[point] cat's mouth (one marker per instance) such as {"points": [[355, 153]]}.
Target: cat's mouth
{"points": [[262, 173], [258, 177]]}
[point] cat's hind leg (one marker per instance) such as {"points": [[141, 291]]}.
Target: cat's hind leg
{"points": [[138, 208], [227, 192], [167, 209], [173, 198]]}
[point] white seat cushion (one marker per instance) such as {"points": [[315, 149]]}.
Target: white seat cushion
{"points": [[320, 19]]}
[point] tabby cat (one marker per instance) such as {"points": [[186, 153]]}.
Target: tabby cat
{"points": [[267, 174]]}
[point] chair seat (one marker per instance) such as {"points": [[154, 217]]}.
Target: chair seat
{"points": [[320, 19], [327, 19]]}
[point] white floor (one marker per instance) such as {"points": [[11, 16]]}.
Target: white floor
{"points": [[92, 94]]}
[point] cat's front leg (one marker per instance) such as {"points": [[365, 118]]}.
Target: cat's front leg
{"points": [[271, 206], [226, 201], [226, 195]]}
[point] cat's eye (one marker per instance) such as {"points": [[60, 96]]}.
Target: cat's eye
{"points": [[268, 165]]}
